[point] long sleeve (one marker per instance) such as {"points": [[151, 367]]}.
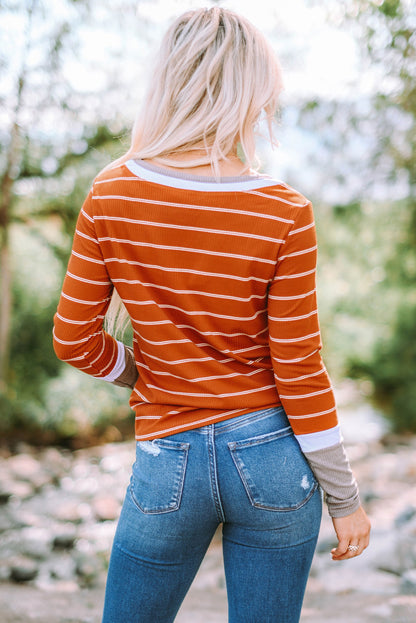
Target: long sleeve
{"points": [[78, 336], [301, 378], [295, 340]]}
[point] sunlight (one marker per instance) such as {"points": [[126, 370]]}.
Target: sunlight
{"points": [[323, 57]]}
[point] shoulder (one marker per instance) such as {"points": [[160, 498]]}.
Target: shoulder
{"points": [[278, 190], [113, 174]]}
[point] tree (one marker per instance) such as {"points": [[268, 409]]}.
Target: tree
{"points": [[385, 30], [50, 126]]}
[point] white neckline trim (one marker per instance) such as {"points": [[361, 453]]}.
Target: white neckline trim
{"points": [[187, 184]]}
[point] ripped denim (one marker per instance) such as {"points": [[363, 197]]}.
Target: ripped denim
{"points": [[248, 474]]}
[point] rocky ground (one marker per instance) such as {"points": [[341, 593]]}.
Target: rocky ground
{"points": [[58, 512]]}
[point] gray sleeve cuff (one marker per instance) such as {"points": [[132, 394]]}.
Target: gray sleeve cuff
{"points": [[333, 472]]}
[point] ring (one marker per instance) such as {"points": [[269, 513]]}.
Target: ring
{"points": [[353, 548]]}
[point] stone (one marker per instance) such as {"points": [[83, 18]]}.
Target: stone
{"points": [[408, 584], [88, 569], [106, 508], [71, 512], [7, 521], [64, 568], [23, 570], [65, 537], [20, 490], [23, 466], [384, 611], [35, 543], [405, 516], [325, 544], [5, 494]]}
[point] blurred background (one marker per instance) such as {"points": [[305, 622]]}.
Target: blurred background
{"points": [[72, 74]]}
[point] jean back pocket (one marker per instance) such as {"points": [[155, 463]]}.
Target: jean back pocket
{"points": [[158, 475], [274, 471]]}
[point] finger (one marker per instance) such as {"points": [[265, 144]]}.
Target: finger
{"points": [[353, 550], [342, 548]]}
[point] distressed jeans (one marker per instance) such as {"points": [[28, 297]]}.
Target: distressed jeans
{"points": [[246, 473]]}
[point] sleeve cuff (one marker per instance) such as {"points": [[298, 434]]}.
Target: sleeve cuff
{"points": [[320, 440], [119, 365]]}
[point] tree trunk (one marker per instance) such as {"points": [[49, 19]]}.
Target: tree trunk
{"points": [[6, 187], [5, 308], [6, 199]]}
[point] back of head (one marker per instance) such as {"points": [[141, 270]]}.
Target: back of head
{"points": [[214, 75]]}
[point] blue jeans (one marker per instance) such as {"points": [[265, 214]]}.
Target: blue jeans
{"points": [[247, 473]]}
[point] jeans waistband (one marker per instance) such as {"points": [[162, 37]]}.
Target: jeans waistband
{"points": [[244, 420]]}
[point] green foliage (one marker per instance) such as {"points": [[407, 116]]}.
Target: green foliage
{"points": [[392, 370], [391, 8], [33, 361]]}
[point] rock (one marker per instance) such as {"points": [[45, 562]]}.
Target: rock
{"points": [[19, 489], [408, 584], [72, 512], [65, 538], [325, 544], [5, 495], [383, 611], [23, 570], [106, 508], [64, 568], [23, 466], [88, 569], [56, 463], [405, 516], [7, 520], [35, 543], [4, 572]]}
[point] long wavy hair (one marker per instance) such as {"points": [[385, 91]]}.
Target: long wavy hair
{"points": [[215, 78]]}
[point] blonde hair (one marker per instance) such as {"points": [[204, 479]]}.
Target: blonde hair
{"points": [[214, 76]]}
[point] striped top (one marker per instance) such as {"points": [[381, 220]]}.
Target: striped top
{"points": [[219, 282]]}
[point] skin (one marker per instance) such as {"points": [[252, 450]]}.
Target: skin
{"points": [[353, 529], [230, 167]]}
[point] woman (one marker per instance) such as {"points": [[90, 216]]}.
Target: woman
{"points": [[215, 264]]}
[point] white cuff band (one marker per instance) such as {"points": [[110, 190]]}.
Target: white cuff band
{"points": [[120, 364], [320, 440]]}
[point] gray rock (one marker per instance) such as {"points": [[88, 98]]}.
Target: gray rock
{"points": [[405, 516], [89, 569], [23, 570], [36, 543], [408, 584], [70, 512], [7, 520], [19, 489], [65, 537], [63, 568], [23, 466], [325, 544], [5, 494]]}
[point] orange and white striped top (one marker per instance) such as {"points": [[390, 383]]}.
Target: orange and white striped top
{"points": [[219, 282]]}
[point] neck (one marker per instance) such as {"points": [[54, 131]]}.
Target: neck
{"points": [[194, 162]]}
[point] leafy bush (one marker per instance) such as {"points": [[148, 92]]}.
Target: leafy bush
{"points": [[392, 370]]}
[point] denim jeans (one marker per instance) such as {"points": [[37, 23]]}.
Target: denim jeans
{"points": [[247, 473]]}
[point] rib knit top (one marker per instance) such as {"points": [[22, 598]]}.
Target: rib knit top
{"points": [[218, 278]]}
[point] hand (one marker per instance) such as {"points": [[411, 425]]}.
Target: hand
{"points": [[130, 374], [352, 530]]}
